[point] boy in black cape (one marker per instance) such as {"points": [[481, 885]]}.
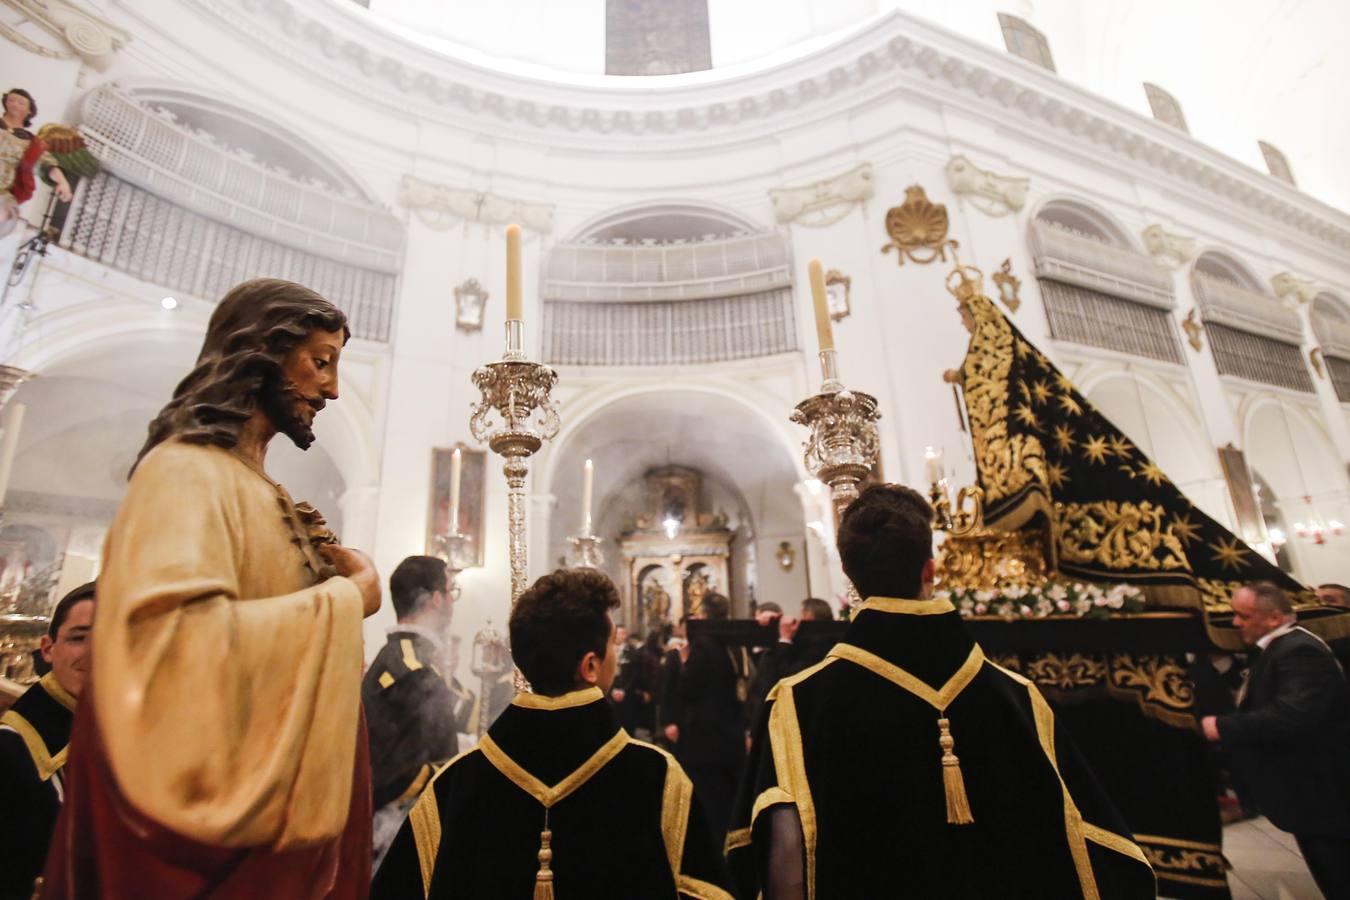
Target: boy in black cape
{"points": [[557, 801], [906, 764]]}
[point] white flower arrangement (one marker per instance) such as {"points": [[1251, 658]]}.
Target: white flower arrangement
{"points": [[1054, 598]]}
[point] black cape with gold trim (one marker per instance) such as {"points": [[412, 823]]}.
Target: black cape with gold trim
{"points": [[858, 756], [34, 737], [1041, 449], [622, 813]]}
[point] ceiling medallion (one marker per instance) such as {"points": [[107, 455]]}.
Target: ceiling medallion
{"points": [[918, 226]]}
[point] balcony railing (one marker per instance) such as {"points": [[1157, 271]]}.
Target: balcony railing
{"points": [[1226, 303], [1071, 257]]}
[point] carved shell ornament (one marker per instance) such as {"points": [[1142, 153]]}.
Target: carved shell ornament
{"points": [[918, 228]]}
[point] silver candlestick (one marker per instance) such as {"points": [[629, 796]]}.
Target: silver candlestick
{"points": [[843, 445], [584, 552], [520, 393]]}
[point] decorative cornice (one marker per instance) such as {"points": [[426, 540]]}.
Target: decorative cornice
{"points": [[989, 192], [439, 205], [94, 38], [864, 64]]}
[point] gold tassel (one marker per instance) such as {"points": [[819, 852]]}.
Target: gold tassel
{"points": [[543, 879], [958, 806]]}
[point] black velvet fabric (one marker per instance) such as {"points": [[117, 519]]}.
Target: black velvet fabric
{"points": [[607, 836], [30, 805], [873, 765]]}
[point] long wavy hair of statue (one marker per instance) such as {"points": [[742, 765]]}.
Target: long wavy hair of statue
{"points": [[252, 329]]}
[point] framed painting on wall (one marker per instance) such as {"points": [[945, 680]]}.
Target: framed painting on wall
{"points": [[472, 491]]}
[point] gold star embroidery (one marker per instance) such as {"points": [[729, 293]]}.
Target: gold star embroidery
{"points": [[1063, 382], [1185, 530], [1024, 390], [1041, 392], [1150, 472], [1056, 475], [1121, 446], [1070, 405], [1064, 438], [1095, 450], [1027, 416], [1229, 554]]}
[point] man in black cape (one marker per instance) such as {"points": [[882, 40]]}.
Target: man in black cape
{"points": [[906, 764], [557, 801]]}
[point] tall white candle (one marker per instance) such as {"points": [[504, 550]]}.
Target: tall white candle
{"points": [[587, 481], [9, 447], [515, 308], [456, 464]]}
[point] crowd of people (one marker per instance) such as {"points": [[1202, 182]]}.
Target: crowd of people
{"points": [[212, 733]]}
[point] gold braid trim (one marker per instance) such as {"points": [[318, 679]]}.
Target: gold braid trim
{"points": [[548, 796], [907, 607], [47, 764], [425, 819], [676, 801], [789, 763], [1077, 832], [562, 701], [57, 693], [736, 839], [701, 890]]}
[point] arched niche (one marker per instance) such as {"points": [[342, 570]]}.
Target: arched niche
{"points": [[1086, 219], [1226, 267], [667, 283], [1305, 477], [747, 464]]}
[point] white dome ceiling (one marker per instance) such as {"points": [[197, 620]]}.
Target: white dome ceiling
{"points": [[1242, 72]]}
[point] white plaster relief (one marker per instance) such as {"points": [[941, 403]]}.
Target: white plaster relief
{"points": [[1293, 290], [92, 37], [824, 202], [1171, 250], [989, 192], [439, 206]]}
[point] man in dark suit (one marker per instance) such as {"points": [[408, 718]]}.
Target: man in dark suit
{"points": [[709, 736], [1291, 732], [410, 707]]}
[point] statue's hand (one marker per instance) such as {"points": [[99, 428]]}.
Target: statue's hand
{"points": [[356, 566]]}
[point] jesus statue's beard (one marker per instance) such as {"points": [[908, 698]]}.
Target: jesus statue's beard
{"points": [[282, 404]]}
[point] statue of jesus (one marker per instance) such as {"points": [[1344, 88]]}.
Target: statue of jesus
{"points": [[221, 751]]}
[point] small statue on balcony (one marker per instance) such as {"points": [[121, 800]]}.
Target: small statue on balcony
{"points": [[49, 152]]}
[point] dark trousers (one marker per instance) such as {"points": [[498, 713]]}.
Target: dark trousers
{"points": [[1328, 859]]}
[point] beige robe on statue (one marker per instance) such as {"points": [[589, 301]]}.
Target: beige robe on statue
{"points": [[227, 680]]}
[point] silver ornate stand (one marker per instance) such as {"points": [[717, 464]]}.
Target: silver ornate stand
{"points": [[843, 444], [458, 552], [584, 552], [520, 392]]}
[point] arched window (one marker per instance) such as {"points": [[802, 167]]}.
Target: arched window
{"points": [[667, 285], [1165, 107], [1250, 333], [1097, 288], [1276, 162], [198, 194], [1277, 532], [1025, 40], [1331, 326]]}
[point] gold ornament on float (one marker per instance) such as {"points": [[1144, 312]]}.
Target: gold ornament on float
{"points": [[918, 226], [1008, 286]]}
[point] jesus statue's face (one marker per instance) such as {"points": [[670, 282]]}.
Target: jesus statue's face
{"points": [[309, 379]]}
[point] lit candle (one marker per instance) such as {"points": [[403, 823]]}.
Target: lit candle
{"points": [[586, 482], [9, 447], [932, 458], [456, 464], [824, 331], [514, 306]]}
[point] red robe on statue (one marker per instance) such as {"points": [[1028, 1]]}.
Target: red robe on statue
{"points": [[104, 848]]}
